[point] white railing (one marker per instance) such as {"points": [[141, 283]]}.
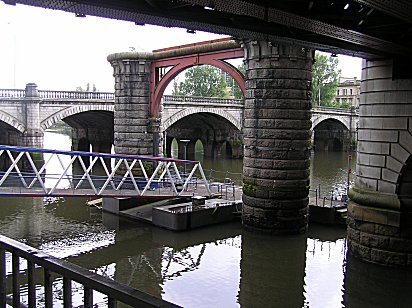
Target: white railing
{"points": [[12, 93], [76, 95], [121, 175], [199, 99]]}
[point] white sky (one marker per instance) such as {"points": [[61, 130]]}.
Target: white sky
{"points": [[59, 51]]}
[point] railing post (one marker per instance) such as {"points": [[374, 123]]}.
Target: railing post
{"points": [[31, 284], [48, 290], [67, 293], [16, 286], [2, 278]]}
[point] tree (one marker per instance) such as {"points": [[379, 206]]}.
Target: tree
{"points": [[325, 80], [87, 89], [237, 93], [204, 80]]}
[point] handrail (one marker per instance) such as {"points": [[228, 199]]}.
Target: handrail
{"points": [[131, 175], [200, 99], [115, 291], [106, 96], [12, 93], [76, 95]]}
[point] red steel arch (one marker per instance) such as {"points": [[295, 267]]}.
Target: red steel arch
{"points": [[159, 83]]}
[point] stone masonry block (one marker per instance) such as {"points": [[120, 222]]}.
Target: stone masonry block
{"points": [[405, 140], [369, 172], [373, 147], [388, 257], [389, 176], [393, 164], [371, 160], [384, 123], [378, 135], [399, 153], [370, 184], [373, 240]]}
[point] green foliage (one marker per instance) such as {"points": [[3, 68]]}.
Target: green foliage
{"points": [[237, 93], [325, 80], [87, 88], [204, 80]]}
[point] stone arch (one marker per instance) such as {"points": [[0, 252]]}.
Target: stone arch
{"points": [[316, 120], [58, 116], [189, 111], [12, 121], [404, 187], [184, 64]]}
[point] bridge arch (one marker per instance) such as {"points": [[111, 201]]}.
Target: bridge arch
{"points": [[180, 65], [49, 121], [12, 121], [189, 111], [316, 120]]}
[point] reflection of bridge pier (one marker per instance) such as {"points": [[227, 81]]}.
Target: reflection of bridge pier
{"points": [[281, 260]]}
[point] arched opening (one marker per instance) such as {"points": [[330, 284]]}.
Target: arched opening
{"points": [[199, 150], [8, 136], [176, 66], [228, 148], [95, 126], [331, 135], [405, 185], [211, 130], [174, 152]]}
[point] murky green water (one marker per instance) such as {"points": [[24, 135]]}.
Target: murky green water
{"points": [[218, 266]]}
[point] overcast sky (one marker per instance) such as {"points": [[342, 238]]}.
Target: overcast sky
{"points": [[59, 51]]}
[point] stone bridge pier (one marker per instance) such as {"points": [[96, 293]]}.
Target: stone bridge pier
{"points": [[380, 207], [133, 128], [277, 123], [33, 135]]}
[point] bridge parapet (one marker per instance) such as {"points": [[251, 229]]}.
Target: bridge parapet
{"points": [[199, 99], [76, 95], [12, 93], [347, 111]]}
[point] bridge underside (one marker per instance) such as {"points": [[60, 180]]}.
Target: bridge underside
{"points": [[363, 28], [331, 135], [92, 128], [215, 133]]}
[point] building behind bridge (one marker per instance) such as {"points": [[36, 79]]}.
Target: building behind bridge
{"points": [[348, 91]]}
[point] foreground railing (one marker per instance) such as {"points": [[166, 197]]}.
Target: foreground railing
{"points": [[15, 255], [120, 175]]}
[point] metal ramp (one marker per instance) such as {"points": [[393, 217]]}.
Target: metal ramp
{"points": [[42, 172]]}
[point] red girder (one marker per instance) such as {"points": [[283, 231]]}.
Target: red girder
{"points": [[158, 84]]}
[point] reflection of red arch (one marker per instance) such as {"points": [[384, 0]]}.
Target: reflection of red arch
{"points": [[158, 84]]}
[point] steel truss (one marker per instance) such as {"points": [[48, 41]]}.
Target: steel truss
{"points": [[24, 174]]}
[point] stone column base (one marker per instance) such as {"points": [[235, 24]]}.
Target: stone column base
{"points": [[379, 235]]}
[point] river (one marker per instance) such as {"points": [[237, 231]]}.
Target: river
{"points": [[217, 266]]}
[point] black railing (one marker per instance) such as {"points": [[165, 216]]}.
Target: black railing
{"points": [[91, 282]]}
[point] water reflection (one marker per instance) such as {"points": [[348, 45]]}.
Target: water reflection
{"points": [[372, 286], [219, 266], [272, 271]]}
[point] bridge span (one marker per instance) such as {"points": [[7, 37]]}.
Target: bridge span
{"points": [[26, 113]]}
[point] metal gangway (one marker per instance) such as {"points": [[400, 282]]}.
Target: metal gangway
{"points": [[42, 172]]}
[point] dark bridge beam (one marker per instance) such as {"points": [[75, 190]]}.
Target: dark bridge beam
{"points": [[365, 28]]}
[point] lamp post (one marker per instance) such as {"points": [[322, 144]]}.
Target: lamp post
{"points": [[185, 142]]}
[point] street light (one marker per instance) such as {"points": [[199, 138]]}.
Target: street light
{"points": [[185, 142]]}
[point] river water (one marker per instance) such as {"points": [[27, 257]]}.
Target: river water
{"points": [[217, 266]]}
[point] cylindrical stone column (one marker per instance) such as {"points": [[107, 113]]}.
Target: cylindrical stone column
{"points": [[277, 122], [380, 207], [131, 116]]}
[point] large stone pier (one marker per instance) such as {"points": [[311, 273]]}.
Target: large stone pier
{"points": [[277, 122], [380, 210]]}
